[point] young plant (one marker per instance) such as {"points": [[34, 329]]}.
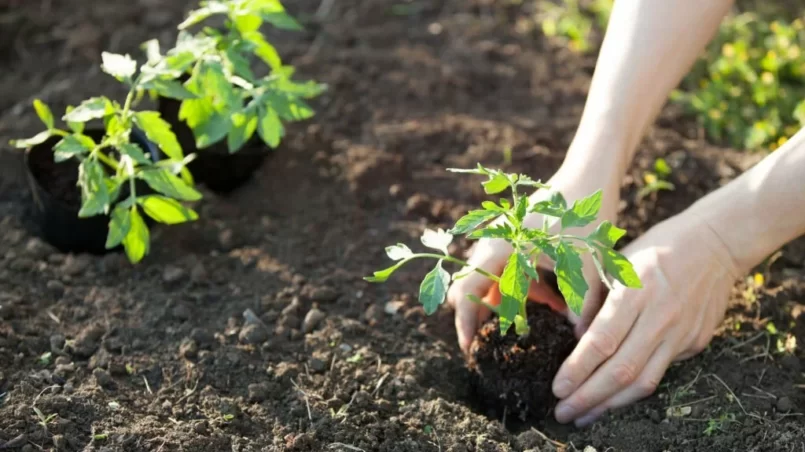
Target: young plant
{"points": [[111, 164], [505, 220], [656, 180], [230, 100]]}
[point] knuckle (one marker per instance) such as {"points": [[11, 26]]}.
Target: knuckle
{"points": [[624, 373], [647, 386], [603, 343]]}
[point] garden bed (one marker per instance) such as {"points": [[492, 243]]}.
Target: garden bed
{"points": [[252, 328]]}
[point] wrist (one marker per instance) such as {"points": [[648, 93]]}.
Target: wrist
{"points": [[602, 151]]}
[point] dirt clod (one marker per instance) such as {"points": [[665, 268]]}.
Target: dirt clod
{"points": [[253, 334], [88, 341], [784, 405], [55, 287], [188, 349], [172, 274], [323, 294], [75, 265], [312, 320], [258, 392], [103, 379]]}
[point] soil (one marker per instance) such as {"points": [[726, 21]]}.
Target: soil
{"points": [[512, 375], [252, 329], [214, 166]]}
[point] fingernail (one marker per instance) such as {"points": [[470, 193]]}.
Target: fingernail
{"points": [[562, 388], [587, 420], [564, 413]]}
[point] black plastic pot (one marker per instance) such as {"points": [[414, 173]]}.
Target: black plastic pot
{"points": [[214, 166], [57, 198]]}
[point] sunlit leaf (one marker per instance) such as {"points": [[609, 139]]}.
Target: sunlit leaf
{"points": [[433, 290]]}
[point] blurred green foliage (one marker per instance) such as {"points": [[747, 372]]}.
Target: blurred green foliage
{"points": [[748, 89]]}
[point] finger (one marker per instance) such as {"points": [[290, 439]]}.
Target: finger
{"points": [[645, 385], [599, 343], [542, 292], [592, 305], [620, 371], [466, 321]]}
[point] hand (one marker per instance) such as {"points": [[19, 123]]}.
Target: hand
{"points": [[687, 274], [492, 254]]}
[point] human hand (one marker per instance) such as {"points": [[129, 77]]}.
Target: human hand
{"points": [[491, 255], [687, 274]]}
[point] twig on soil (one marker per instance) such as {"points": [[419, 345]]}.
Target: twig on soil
{"points": [[677, 405], [741, 344], [762, 374], [147, 386], [545, 437], [188, 394], [345, 446], [53, 317], [764, 392], [379, 383], [307, 401], [746, 413]]}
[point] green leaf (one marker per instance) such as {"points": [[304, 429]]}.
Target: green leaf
{"points": [[662, 168], [166, 210], [513, 291], [620, 268], [159, 131], [433, 289], [398, 252], [138, 241], [500, 231], [527, 266], [69, 147], [569, 276], [383, 275], [290, 108], [37, 139], [166, 183], [583, 211], [170, 89], [243, 127], [438, 240], [263, 49], [490, 205], [477, 170], [548, 208], [94, 108], [472, 220], [283, 21], [201, 14], [196, 111], [607, 234], [121, 67], [212, 131], [119, 226], [44, 113], [270, 128], [521, 209], [247, 22], [547, 247], [76, 127], [240, 64], [94, 191], [496, 184], [153, 53], [136, 153]]}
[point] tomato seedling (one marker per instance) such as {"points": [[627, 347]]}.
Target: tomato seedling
{"points": [[115, 161], [505, 220]]}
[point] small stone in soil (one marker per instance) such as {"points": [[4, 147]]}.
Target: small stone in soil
{"points": [[172, 274], [88, 341], [226, 240], [529, 439], [103, 378], [200, 427], [373, 314], [324, 294], [75, 264], [253, 334], [188, 349], [55, 287], [37, 249], [784, 405], [312, 320], [317, 365], [198, 274], [293, 307], [57, 343], [203, 338], [258, 392]]}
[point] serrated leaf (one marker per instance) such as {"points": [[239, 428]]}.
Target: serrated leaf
{"points": [[240, 64], [212, 131], [136, 153], [569, 277], [472, 220], [583, 211], [119, 226], [546, 247], [398, 252], [138, 241], [527, 266], [433, 289], [496, 184], [513, 291], [159, 131], [44, 113], [121, 67], [264, 49], [290, 108], [243, 127], [247, 22], [201, 14], [438, 240], [69, 147], [490, 205], [282, 21], [548, 208], [94, 108], [383, 275], [521, 209], [270, 128], [35, 140], [94, 191], [168, 184], [171, 89], [607, 234], [500, 231], [620, 268], [166, 210]]}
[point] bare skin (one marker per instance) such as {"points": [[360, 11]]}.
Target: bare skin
{"points": [[689, 263]]}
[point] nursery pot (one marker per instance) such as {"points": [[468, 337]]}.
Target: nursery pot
{"points": [[57, 197], [214, 166]]}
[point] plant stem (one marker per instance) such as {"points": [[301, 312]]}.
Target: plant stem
{"points": [[105, 159], [454, 260]]}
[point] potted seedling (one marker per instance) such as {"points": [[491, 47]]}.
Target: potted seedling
{"points": [[99, 186], [235, 115], [512, 368]]}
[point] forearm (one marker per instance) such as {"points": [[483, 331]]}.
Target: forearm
{"points": [[648, 48], [763, 209]]}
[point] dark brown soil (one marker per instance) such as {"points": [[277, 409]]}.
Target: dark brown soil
{"points": [[60, 180], [512, 375], [205, 347]]}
